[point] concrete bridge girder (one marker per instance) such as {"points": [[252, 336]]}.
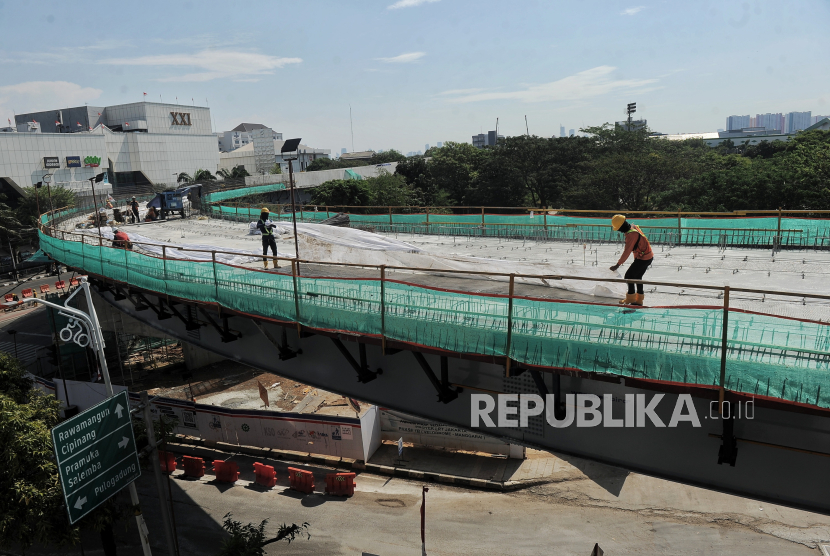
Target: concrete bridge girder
{"points": [[684, 453]]}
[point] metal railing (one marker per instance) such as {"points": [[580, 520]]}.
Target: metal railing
{"points": [[381, 273]]}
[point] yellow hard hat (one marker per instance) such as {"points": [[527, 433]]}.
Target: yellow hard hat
{"points": [[617, 221], [265, 209]]}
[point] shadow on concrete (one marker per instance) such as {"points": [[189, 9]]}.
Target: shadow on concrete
{"points": [[610, 478]]}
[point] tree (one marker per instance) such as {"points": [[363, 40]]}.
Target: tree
{"points": [[32, 507], [249, 540], [183, 177], [27, 205], [203, 175], [341, 193], [331, 164], [275, 169], [237, 172], [390, 190], [387, 156]]}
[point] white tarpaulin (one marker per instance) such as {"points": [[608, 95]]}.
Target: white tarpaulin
{"points": [[323, 243]]}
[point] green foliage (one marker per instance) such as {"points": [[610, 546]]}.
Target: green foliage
{"points": [[183, 177], [383, 190], [203, 175], [275, 169], [32, 506], [249, 540], [387, 156], [615, 169], [236, 172], [331, 164], [27, 205]]}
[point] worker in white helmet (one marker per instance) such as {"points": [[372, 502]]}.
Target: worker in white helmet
{"points": [[635, 242]]}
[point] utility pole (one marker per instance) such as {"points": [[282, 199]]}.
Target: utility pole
{"points": [[290, 146], [154, 460], [526, 128], [351, 126]]}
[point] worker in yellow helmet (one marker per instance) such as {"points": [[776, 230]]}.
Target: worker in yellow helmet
{"points": [[635, 242], [265, 226]]}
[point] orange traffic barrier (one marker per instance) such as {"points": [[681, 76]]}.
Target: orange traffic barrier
{"points": [[168, 461], [60, 285], [44, 288], [265, 475], [340, 484], [193, 467], [27, 293], [226, 471], [74, 283], [301, 480]]}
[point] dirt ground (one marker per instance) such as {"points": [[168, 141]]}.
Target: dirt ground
{"points": [[236, 386]]}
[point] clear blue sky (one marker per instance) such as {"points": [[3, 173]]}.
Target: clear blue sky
{"points": [[421, 71]]}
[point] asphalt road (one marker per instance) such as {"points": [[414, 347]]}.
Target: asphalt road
{"points": [[383, 519]]}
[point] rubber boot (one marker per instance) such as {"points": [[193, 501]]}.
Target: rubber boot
{"points": [[638, 299], [265, 262], [629, 299]]}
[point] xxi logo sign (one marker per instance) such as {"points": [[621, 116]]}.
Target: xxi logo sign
{"points": [[180, 118]]}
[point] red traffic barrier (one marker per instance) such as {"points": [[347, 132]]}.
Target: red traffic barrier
{"points": [[168, 461], [301, 480], [340, 484], [265, 475], [226, 471], [193, 467]]}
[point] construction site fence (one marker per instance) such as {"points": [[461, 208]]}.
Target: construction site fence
{"points": [[718, 346], [766, 232]]}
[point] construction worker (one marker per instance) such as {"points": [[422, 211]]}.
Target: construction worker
{"points": [[121, 240], [635, 242], [265, 226], [134, 208]]}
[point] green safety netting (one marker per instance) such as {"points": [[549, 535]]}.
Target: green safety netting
{"points": [[766, 354], [761, 232], [219, 196]]}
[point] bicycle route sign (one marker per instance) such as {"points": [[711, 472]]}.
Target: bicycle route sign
{"points": [[96, 455]]}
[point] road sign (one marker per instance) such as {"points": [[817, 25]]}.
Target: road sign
{"points": [[96, 455]]}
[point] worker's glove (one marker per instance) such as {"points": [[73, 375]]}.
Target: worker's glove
{"points": [[615, 267]]}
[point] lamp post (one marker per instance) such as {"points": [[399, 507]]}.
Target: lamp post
{"points": [[46, 179], [290, 146]]}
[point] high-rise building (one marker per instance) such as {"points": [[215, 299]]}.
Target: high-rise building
{"points": [[737, 122], [796, 121], [571, 132], [485, 139], [426, 147], [773, 122], [343, 150], [817, 119], [561, 131], [439, 144]]}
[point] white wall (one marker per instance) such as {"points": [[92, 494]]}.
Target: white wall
{"points": [[21, 156], [313, 179], [160, 155]]}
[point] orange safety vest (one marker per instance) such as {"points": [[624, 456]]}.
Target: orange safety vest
{"points": [[636, 228]]}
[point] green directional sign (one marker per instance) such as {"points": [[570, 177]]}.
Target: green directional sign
{"points": [[96, 455]]}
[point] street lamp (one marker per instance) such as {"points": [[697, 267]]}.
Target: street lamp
{"points": [[290, 146]]}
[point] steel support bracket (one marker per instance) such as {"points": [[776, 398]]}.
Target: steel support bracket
{"points": [[225, 333], [189, 322], [446, 393], [285, 351], [364, 375]]}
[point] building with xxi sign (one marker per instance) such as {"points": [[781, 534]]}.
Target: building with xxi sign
{"points": [[135, 144]]}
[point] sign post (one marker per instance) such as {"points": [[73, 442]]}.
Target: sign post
{"points": [[96, 455], [89, 333]]}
